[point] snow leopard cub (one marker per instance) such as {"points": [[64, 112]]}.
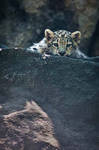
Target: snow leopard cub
{"points": [[61, 43]]}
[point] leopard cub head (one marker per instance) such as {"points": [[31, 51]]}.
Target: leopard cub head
{"points": [[62, 42]]}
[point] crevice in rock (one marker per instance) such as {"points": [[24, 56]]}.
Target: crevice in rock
{"points": [[94, 40]]}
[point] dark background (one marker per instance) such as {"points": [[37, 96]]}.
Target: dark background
{"points": [[23, 22]]}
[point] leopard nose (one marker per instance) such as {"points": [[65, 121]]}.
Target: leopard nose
{"points": [[62, 53]]}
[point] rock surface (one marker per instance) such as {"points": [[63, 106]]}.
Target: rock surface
{"points": [[48, 104], [23, 22]]}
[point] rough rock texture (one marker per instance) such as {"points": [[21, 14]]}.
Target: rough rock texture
{"points": [[48, 104], [23, 22], [28, 129], [32, 7], [86, 15]]}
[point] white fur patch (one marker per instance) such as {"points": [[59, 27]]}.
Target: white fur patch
{"points": [[79, 54], [36, 47]]}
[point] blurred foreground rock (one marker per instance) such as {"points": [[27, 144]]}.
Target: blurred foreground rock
{"points": [[48, 104]]}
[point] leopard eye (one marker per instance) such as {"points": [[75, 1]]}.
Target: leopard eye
{"points": [[55, 44], [69, 45], [49, 45]]}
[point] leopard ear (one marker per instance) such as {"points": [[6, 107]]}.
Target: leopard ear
{"points": [[49, 34], [76, 36]]}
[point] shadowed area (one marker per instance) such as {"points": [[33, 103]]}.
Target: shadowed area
{"points": [[64, 110]]}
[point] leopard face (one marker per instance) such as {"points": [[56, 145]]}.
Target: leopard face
{"points": [[62, 42]]}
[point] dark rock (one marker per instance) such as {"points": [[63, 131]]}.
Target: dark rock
{"points": [[62, 96]]}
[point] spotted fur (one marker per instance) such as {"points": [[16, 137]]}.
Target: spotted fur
{"points": [[61, 43]]}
